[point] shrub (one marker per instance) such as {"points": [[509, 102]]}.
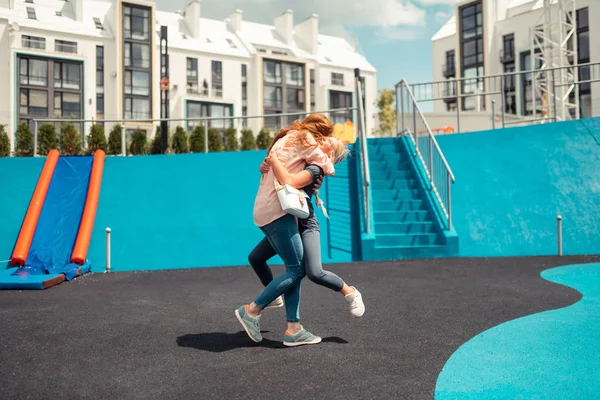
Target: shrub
{"points": [[248, 141], [24, 139], [215, 140], [114, 140], [70, 140], [139, 143], [197, 139], [231, 140], [47, 139], [96, 139], [156, 143], [180, 144], [4, 143], [263, 140]]}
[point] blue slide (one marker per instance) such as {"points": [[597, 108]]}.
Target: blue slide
{"points": [[58, 224]]}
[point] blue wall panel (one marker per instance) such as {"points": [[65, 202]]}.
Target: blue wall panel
{"points": [[512, 183]]}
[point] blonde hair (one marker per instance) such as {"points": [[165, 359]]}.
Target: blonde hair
{"points": [[340, 150], [318, 125]]}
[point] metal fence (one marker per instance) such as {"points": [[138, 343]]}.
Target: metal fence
{"points": [[513, 98], [149, 125], [411, 122]]}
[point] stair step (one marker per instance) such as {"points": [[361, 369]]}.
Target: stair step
{"points": [[397, 205], [381, 182], [396, 174], [404, 227], [407, 252], [394, 216], [389, 165], [395, 194], [395, 239]]}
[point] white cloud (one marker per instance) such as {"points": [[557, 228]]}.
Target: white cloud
{"points": [[334, 15], [439, 2]]}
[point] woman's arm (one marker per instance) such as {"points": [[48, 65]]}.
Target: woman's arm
{"points": [[298, 181]]}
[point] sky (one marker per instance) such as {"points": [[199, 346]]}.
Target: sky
{"points": [[394, 35]]}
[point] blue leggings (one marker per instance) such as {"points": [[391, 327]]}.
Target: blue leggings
{"points": [[283, 236]]}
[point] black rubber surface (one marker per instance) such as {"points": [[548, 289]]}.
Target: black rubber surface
{"points": [[173, 334]]}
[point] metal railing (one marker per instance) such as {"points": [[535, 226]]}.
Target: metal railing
{"points": [[478, 93], [365, 174], [83, 125], [411, 122]]}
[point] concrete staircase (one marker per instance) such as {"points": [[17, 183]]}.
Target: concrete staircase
{"points": [[404, 222]]}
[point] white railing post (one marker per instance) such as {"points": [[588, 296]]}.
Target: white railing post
{"points": [[559, 232], [107, 250], [364, 152]]}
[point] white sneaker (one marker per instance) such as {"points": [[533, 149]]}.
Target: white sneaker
{"points": [[357, 307], [278, 302]]}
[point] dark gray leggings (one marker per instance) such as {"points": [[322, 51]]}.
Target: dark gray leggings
{"points": [[311, 241]]}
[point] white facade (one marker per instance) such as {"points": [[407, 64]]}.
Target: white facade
{"points": [[216, 50], [500, 19]]}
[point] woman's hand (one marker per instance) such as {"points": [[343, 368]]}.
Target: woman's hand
{"points": [[265, 167]]}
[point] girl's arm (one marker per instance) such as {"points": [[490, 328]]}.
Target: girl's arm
{"points": [[298, 181]]}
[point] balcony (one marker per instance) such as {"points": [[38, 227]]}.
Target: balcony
{"points": [[448, 70], [507, 56], [204, 92], [449, 92]]}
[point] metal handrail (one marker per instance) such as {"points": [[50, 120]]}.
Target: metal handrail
{"points": [[364, 156], [429, 130]]}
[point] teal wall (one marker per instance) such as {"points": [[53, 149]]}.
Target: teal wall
{"points": [[512, 183], [175, 211]]}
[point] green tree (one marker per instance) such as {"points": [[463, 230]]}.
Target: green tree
{"points": [[215, 140], [139, 143], [114, 140], [47, 139], [24, 138], [232, 142], [387, 117], [197, 139], [96, 139], [263, 140], [70, 140], [180, 141], [155, 145], [4, 143], [248, 142]]}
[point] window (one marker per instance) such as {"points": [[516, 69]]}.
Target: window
{"points": [[31, 13], [283, 95], [527, 102], [29, 1], [244, 94], [338, 100], [67, 75], [337, 79], [137, 68], [65, 46], [48, 88], [471, 42], [98, 23], [217, 78], [583, 57], [197, 109], [192, 75], [449, 67], [508, 49], [99, 83], [33, 42], [510, 98], [312, 89]]}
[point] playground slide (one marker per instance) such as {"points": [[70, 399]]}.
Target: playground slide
{"points": [[53, 242]]}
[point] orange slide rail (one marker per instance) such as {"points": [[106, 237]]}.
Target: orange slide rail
{"points": [[33, 212], [89, 212]]}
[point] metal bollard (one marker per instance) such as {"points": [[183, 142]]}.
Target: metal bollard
{"points": [[107, 250], [493, 114], [559, 229]]}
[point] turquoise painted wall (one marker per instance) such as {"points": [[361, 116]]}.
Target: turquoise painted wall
{"points": [[511, 184], [176, 211]]}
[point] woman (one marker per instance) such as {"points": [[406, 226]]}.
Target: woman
{"points": [[295, 146], [309, 231]]}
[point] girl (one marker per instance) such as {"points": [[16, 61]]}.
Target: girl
{"points": [[308, 229], [295, 146]]}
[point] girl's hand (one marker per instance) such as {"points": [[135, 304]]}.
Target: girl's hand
{"points": [[264, 167]]}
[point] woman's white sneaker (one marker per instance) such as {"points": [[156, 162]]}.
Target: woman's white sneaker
{"points": [[357, 307], [278, 302]]}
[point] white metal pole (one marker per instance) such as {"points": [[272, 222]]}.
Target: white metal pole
{"points": [[559, 229], [107, 249]]}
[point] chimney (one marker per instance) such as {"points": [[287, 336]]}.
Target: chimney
{"points": [[78, 10], [308, 32], [234, 22], [284, 25], [191, 18]]}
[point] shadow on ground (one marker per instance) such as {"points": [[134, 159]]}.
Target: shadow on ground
{"points": [[218, 342]]}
